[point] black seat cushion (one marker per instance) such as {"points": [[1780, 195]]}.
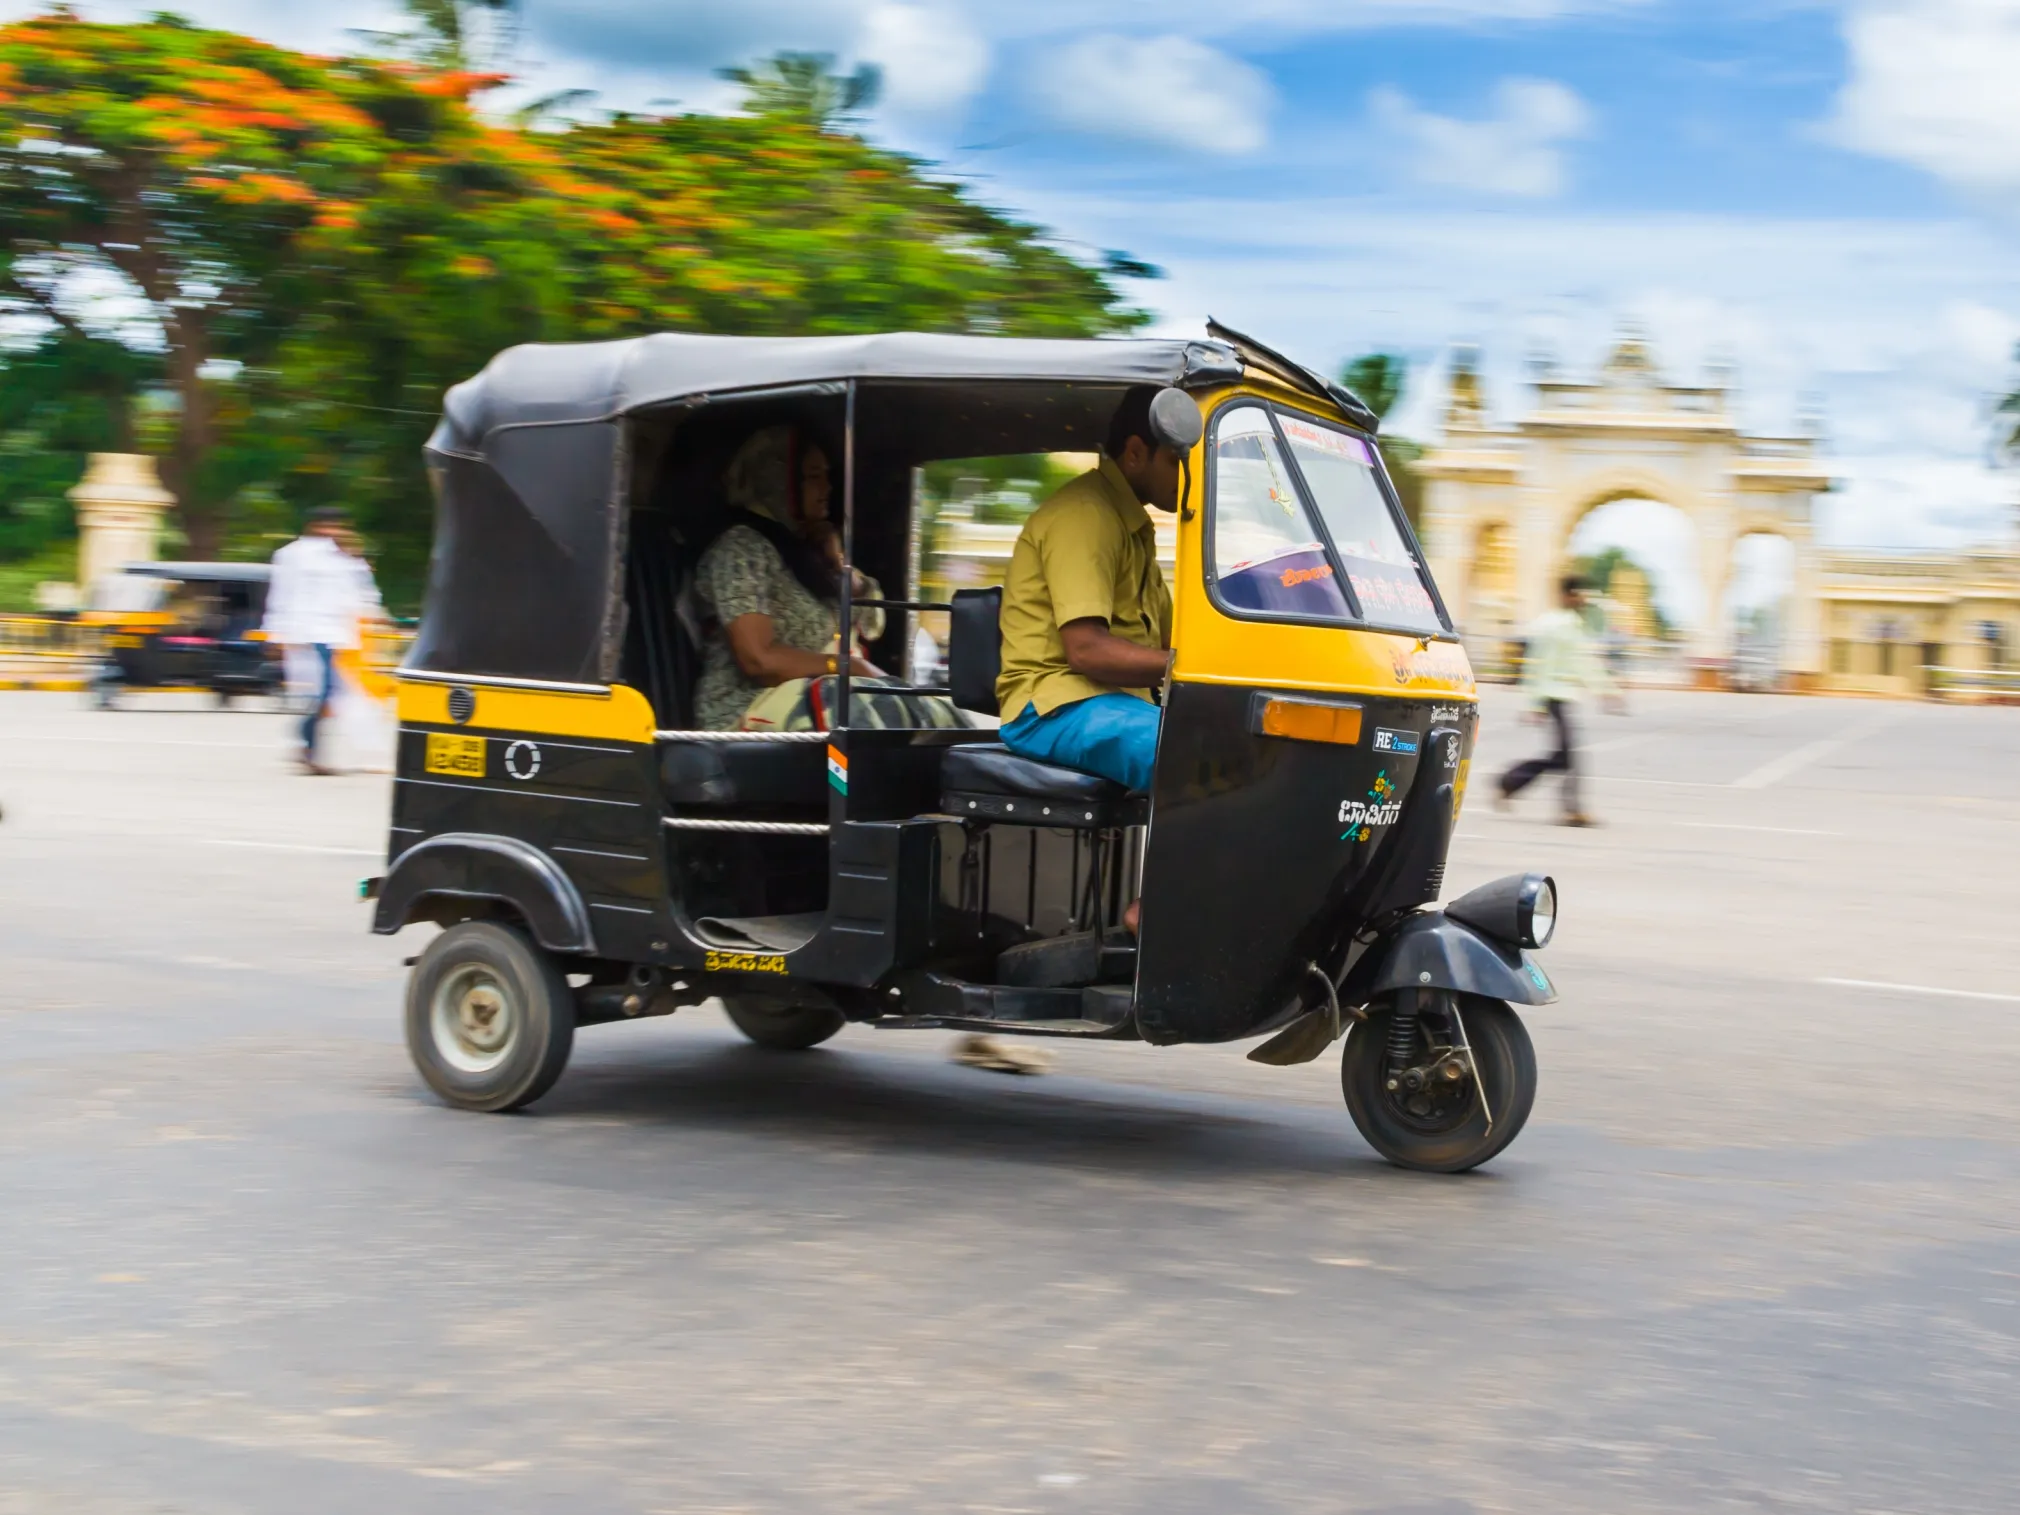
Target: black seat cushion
{"points": [[718, 775], [992, 768]]}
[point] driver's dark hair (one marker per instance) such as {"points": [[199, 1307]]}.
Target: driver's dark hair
{"points": [[1131, 419], [1572, 583]]}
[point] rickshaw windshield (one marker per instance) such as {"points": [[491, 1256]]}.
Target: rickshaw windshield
{"points": [[1294, 504], [1267, 555], [1386, 579]]}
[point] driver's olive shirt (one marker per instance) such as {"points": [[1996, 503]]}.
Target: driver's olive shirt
{"points": [[1090, 550]]}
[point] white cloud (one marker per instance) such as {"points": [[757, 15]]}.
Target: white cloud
{"points": [[1156, 89], [1935, 84], [1893, 333], [931, 58], [1517, 151]]}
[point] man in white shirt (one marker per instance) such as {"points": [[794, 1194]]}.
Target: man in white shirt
{"points": [[313, 605], [1559, 666]]}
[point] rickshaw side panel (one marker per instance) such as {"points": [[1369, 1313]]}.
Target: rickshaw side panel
{"points": [[572, 776], [1261, 848]]}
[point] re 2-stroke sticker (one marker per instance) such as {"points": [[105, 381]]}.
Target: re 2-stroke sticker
{"points": [[1401, 743]]}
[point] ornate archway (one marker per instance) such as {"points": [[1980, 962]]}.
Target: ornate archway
{"points": [[1627, 434]]}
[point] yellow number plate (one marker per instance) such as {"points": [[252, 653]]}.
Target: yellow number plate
{"points": [[460, 755], [124, 641], [744, 962]]}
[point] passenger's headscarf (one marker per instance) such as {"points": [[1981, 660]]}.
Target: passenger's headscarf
{"points": [[763, 483]]}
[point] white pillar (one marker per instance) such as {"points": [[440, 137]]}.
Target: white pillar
{"points": [[119, 503], [1447, 553], [1803, 656], [1711, 643]]}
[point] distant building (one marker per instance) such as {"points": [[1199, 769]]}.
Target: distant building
{"points": [[1917, 623]]}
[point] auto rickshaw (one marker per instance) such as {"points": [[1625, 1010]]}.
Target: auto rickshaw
{"points": [[593, 858], [184, 626]]}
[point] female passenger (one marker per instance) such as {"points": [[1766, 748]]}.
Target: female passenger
{"points": [[771, 585]]}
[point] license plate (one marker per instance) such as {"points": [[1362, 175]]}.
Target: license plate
{"points": [[123, 641], [460, 755]]}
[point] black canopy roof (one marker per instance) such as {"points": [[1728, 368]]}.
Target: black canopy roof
{"points": [[526, 577], [597, 381]]}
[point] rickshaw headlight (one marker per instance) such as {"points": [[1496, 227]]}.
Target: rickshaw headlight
{"points": [[1520, 909], [1539, 897]]}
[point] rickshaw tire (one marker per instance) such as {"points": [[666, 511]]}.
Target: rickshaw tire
{"points": [[781, 1027], [1506, 1059], [544, 1005]]}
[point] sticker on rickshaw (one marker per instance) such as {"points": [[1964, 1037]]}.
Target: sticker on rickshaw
{"points": [[743, 962], [1402, 743], [462, 756], [1440, 663], [1363, 818]]}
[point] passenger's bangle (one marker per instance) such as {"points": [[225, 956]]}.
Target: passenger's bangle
{"points": [[833, 666]]}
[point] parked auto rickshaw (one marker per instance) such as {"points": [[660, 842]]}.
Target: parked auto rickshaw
{"points": [[183, 626], [594, 858]]}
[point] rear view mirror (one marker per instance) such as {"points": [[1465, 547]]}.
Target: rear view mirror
{"points": [[1175, 420]]}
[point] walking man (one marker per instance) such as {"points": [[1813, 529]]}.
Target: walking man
{"points": [[1561, 666], [313, 606]]}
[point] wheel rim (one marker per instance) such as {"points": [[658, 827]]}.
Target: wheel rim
{"points": [[475, 1019], [1442, 1108]]}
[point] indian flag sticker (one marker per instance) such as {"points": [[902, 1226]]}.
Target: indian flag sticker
{"points": [[838, 769]]}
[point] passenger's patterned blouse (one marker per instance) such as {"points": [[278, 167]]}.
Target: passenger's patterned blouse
{"points": [[743, 574]]}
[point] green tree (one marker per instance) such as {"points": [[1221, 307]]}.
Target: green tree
{"points": [[2006, 421], [68, 395], [222, 178], [323, 246], [805, 87], [1379, 378]]}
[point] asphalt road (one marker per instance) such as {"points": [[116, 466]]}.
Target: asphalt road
{"points": [[1756, 1251]]}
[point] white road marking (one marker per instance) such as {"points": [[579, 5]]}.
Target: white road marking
{"points": [[1776, 769], [219, 841], [138, 742], [1863, 983], [1734, 826]]}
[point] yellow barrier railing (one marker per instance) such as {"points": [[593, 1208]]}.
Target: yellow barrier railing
{"points": [[58, 638], [70, 640]]}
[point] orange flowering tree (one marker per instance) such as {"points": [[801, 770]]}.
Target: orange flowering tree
{"points": [[318, 246], [226, 181]]}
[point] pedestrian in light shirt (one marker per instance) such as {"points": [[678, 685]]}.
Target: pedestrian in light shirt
{"points": [[1561, 666], [314, 603]]}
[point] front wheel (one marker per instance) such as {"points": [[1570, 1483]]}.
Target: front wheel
{"points": [[1421, 1108], [490, 1019], [781, 1026]]}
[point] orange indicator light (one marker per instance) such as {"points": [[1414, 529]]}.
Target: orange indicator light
{"points": [[1306, 722]]}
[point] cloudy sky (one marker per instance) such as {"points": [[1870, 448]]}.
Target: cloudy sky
{"points": [[1823, 193]]}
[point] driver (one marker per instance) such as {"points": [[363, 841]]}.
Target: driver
{"points": [[1086, 614]]}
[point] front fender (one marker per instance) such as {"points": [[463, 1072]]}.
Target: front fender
{"points": [[470, 865], [1430, 950]]}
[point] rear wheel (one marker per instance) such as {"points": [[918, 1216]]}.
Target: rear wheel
{"points": [[1422, 1109], [490, 1019], [780, 1025]]}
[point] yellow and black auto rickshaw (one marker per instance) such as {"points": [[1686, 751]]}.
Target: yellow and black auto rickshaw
{"points": [[184, 626], [595, 858]]}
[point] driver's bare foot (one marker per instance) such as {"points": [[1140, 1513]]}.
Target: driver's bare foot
{"points": [[995, 1056], [1132, 918]]}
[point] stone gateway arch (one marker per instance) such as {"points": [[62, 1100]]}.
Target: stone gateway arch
{"points": [[1501, 502]]}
